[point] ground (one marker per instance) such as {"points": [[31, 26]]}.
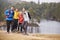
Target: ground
{"points": [[19, 36]]}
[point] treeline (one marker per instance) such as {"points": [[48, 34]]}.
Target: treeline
{"points": [[3, 6], [44, 10]]}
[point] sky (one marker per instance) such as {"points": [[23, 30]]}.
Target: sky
{"points": [[41, 1], [36, 1]]}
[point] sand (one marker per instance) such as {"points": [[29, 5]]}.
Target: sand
{"points": [[19, 36]]}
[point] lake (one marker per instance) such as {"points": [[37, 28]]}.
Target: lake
{"points": [[45, 27]]}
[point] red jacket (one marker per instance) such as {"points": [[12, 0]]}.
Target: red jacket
{"points": [[21, 19]]}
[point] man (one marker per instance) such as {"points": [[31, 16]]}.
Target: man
{"points": [[27, 17], [9, 17]]}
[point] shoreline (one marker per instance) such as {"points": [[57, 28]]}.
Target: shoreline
{"points": [[19, 36]]}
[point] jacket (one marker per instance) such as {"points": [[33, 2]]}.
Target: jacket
{"points": [[16, 14], [21, 18], [26, 16], [9, 14]]}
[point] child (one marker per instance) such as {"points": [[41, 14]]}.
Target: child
{"points": [[20, 21]]}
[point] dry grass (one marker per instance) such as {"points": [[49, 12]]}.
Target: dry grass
{"points": [[19, 36]]}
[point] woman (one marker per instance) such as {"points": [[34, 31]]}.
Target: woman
{"points": [[15, 24], [27, 17]]}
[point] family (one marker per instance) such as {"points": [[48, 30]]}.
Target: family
{"points": [[17, 20]]}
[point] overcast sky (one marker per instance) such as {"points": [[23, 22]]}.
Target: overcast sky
{"points": [[43, 1]]}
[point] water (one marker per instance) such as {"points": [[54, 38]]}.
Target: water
{"points": [[45, 27], [49, 27]]}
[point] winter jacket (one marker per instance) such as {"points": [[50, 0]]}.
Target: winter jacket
{"points": [[9, 14]]}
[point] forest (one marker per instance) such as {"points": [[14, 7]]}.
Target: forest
{"points": [[37, 11]]}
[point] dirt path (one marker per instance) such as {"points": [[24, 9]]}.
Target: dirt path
{"points": [[19, 36]]}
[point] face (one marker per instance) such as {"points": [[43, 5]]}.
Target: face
{"points": [[12, 8], [23, 9], [16, 9]]}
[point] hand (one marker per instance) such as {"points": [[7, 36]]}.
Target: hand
{"points": [[6, 16]]}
